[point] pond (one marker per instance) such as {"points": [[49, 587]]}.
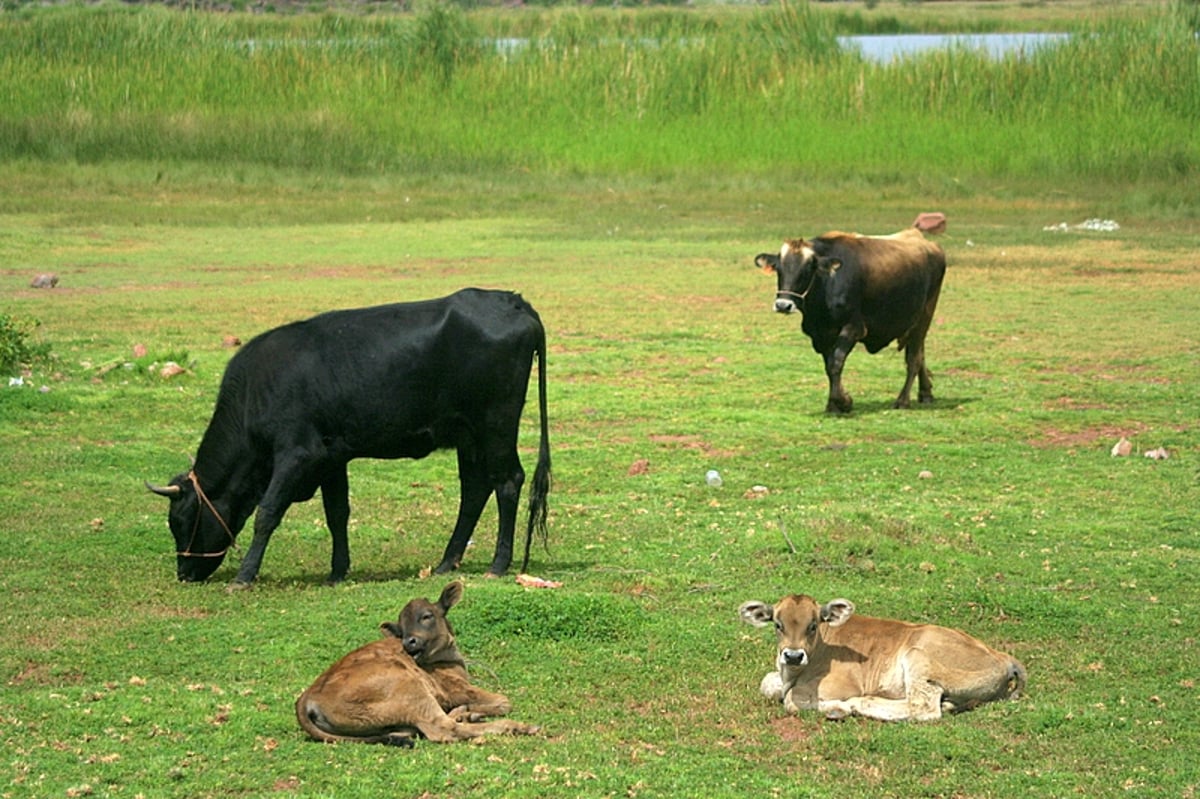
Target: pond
{"points": [[887, 48]]}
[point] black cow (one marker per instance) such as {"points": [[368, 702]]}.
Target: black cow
{"points": [[299, 402], [852, 288]]}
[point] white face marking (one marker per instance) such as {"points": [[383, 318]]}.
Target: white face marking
{"points": [[806, 252]]}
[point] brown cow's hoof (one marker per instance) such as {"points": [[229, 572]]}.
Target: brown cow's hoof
{"points": [[400, 739]]}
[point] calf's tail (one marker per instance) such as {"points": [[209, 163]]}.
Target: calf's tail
{"points": [[540, 488], [1016, 679]]}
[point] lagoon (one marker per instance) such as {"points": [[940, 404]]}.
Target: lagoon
{"points": [[888, 48]]}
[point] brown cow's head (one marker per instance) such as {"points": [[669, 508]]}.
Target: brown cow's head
{"points": [[424, 631], [799, 624], [795, 269]]}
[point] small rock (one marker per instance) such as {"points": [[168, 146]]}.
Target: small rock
{"points": [[1159, 454], [46, 281], [925, 474], [1122, 448]]}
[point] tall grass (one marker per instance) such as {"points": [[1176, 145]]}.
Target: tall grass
{"points": [[590, 91]]}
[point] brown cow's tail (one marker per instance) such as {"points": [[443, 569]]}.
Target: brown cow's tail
{"points": [[313, 722], [540, 489]]}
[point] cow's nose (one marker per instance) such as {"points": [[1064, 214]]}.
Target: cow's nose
{"points": [[794, 657], [784, 306]]}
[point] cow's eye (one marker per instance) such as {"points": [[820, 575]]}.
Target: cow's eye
{"points": [[778, 626], [812, 628]]}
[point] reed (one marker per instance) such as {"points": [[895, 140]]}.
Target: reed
{"points": [[661, 91]]}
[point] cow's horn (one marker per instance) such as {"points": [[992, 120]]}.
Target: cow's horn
{"points": [[164, 491]]}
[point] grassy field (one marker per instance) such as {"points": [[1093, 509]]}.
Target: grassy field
{"points": [[665, 361], [1047, 348]]}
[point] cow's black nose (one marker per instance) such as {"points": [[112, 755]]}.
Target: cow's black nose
{"points": [[784, 306], [794, 657]]}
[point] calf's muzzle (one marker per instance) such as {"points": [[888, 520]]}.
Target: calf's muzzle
{"points": [[792, 657]]}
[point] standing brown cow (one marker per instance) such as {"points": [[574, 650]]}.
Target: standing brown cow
{"points": [[870, 289], [412, 682]]}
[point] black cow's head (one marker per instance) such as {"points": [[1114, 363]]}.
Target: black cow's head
{"points": [[202, 536], [424, 630], [797, 267]]}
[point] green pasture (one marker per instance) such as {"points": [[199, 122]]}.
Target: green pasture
{"points": [[177, 219]]}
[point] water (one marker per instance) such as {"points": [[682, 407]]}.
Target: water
{"points": [[887, 48]]}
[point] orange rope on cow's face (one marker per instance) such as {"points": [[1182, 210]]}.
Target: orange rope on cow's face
{"points": [[187, 553]]}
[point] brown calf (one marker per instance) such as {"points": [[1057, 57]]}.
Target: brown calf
{"points": [[412, 682], [839, 664]]}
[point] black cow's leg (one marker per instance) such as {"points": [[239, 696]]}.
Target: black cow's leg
{"points": [[266, 519], [335, 495], [508, 498], [475, 489]]}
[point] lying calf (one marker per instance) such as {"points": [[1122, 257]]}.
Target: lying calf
{"points": [[412, 682], [837, 663]]}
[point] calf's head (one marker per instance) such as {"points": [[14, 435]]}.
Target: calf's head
{"points": [[424, 631], [796, 268], [799, 624]]}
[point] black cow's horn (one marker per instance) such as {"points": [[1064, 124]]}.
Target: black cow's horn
{"points": [[164, 491]]}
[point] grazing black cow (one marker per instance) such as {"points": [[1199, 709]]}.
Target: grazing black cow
{"points": [[852, 288], [299, 402]]}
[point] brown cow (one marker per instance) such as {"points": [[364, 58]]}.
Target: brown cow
{"points": [[412, 682], [851, 288], [839, 664]]}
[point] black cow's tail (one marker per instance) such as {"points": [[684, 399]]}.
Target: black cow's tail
{"points": [[540, 488]]}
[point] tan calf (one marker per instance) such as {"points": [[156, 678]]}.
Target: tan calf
{"points": [[840, 664], [412, 682]]}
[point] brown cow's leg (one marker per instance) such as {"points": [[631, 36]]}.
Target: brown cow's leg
{"points": [[835, 360], [446, 729]]}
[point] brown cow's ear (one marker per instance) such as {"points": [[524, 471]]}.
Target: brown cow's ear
{"points": [[450, 596], [767, 261], [391, 630], [760, 614], [837, 612]]}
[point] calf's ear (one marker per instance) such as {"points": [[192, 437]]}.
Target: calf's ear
{"points": [[450, 596], [760, 614], [391, 630], [837, 612]]}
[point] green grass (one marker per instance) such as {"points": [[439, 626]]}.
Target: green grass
{"points": [[659, 93], [219, 200], [120, 682]]}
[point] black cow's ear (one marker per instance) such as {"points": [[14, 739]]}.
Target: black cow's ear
{"points": [[830, 265], [450, 596], [767, 262], [391, 630]]}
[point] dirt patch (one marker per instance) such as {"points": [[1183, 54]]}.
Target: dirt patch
{"points": [[1105, 434], [793, 729]]}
